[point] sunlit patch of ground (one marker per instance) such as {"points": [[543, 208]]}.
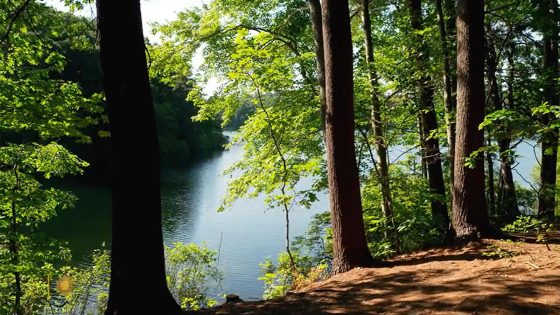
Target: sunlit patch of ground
{"points": [[437, 281]]}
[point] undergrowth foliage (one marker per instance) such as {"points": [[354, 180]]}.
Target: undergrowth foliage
{"points": [[313, 250], [59, 288], [415, 228], [190, 271], [527, 224], [282, 277]]}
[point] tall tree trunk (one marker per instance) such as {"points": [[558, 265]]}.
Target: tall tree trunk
{"points": [[432, 155], [549, 140], [377, 123], [449, 85], [137, 256], [13, 247], [422, 141], [315, 15], [508, 195], [450, 11], [507, 199], [470, 216], [349, 241]]}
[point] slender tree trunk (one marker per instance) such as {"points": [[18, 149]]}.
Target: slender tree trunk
{"points": [[491, 186], [13, 247], [317, 27], [15, 261], [451, 31], [432, 155], [422, 140], [377, 123], [137, 257], [280, 153], [470, 215], [496, 101], [507, 199], [549, 140], [349, 241], [450, 11], [449, 84], [435, 171]]}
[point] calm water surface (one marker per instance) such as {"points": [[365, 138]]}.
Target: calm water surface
{"points": [[245, 235]]}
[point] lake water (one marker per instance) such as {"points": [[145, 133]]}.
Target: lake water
{"points": [[245, 235]]}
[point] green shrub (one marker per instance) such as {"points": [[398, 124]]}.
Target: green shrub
{"points": [[414, 227], [283, 277], [85, 290], [527, 224], [88, 286], [190, 269]]}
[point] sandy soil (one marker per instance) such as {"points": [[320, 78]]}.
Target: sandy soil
{"points": [[438, 281]]}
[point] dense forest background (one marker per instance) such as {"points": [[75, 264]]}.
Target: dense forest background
{"points": [[457, 86]]}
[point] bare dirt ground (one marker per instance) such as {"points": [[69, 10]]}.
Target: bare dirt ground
{"points": [[438, 281]]}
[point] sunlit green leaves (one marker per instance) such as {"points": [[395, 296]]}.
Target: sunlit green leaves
{"points": [[38, 111], [32, 97], [190, 271], [261, 52]]}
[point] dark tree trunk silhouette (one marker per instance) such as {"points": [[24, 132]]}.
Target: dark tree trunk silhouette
{"points": [[376, 121], [549, 140], [432, 155], [349, 241], [470, 216], [137, 257]]}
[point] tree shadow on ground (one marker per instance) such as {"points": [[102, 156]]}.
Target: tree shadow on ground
{"points": [[442, 254], [434, 282], [403, 294]]}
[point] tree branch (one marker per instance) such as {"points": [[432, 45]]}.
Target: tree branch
{"points": [[14, 16]]}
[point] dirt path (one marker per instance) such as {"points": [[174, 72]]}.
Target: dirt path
{"points": [[440, 281]]}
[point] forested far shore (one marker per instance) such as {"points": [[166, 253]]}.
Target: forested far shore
{"points": [[70, 58]]}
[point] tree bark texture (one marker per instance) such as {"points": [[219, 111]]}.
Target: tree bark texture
{"points": [[138, 284], [349, 241], [470, 215]]}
